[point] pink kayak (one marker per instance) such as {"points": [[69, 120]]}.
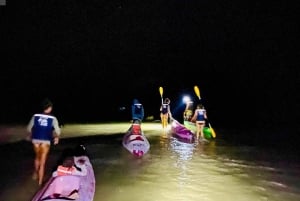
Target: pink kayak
{"points": [[180, 131], [66, 184], [135, 141]]}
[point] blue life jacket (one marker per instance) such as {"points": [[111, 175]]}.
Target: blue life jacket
{"points": [[43, 127]]}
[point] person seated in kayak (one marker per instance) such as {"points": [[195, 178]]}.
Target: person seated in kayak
{"points": [[199, 117], [137, 111], [68, 167], [63, 187]]}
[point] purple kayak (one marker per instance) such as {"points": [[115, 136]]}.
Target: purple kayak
{"points": [[66, 184], [135, 141], [180, 131]]}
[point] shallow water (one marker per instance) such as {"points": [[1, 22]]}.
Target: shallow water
{"points": [[172, 170]]}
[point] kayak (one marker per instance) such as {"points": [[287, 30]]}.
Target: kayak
{"points": [[83, 185], [135, 141], [192, 126], [178, 130]]}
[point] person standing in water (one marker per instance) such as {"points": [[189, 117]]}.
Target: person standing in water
{"points": [[199, 117], [43, 128], [165, 113]]}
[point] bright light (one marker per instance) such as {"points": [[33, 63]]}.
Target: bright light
{"points": [[186, 99]]}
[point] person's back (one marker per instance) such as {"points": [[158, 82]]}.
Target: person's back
{"points": [[199, 117], [165, 113], [137, 110]]}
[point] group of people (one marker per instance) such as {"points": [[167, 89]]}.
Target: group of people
{"points": [[198, 115], [44, 129]]}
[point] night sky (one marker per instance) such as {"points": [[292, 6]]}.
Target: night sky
{"points": [[92, 57]]}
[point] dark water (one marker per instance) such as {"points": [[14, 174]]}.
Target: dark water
{"points": [[231, 167]]}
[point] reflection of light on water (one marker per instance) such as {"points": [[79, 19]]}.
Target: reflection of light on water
{"points": [[184, 150]]}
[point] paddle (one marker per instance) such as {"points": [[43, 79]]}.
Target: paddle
{"points": [[197, 91], [161, 91]]}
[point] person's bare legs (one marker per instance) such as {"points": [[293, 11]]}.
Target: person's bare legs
{"points": [[164, 121], [200, 127], [43, 157], [198, 130], [36, 148], [41, 153]]}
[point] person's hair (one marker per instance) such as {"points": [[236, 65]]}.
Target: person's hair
{"points": [[167, 100], [200, 106], [46, 104], [68, 162]]}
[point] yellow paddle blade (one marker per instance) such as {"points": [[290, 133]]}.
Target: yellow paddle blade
{"points": [[213, 133], [197, 91], [161, 91]]}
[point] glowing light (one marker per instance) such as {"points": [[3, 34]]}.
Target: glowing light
{"points": [[186, 99]]}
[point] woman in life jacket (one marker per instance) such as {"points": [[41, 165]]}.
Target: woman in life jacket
{"points": [[199, 117], [165, 113]]}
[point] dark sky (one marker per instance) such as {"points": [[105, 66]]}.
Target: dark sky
{"points": [[91, 57]]}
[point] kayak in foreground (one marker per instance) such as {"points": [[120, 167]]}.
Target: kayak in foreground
{"points": [[70, 187], [135, 141]]}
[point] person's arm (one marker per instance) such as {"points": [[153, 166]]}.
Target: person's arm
{"points": [[30, 124], [57, 130], [194, 116], [29, 128], [205, 114], [169, 111], [132, 110], [143, 112]]}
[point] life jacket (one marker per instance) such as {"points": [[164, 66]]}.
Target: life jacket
{"points": [[42, 128], [200, 114], [136, 129], [61, 170], [165, 108]]}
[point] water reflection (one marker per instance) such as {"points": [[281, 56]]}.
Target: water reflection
{"points": [[171, 170], [182, 148]]}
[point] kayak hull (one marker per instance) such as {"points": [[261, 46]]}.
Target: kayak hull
{"points": [[192, 126], [180, 131], [135, 141], [68, 183]]}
